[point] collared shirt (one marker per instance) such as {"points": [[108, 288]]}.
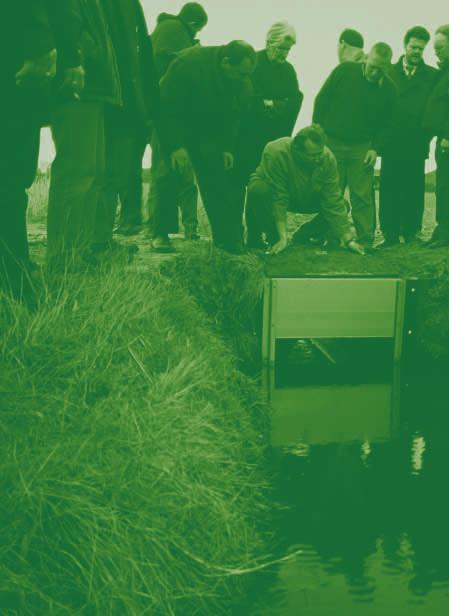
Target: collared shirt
{"points": [[408, 70]]}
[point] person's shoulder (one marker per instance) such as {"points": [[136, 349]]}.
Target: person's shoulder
{"points": [[329, 160], [278, 146]]}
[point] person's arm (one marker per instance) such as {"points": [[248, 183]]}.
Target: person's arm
{"points": [[277, 177], [385, 129], [175, 88], [323, 100], [39, 46], [67, 25], [287, 109]]}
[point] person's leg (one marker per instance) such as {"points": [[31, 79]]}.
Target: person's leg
{"points": [[76, 178], [214, 185], [162, 198], [391, 181], [414, 193], [441, 232], [339, 150], [361, 183], [188, 203], [130, 192], [117, 154], [18, 165], [259, 214]]}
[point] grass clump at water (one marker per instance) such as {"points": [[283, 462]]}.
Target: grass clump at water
{"points": [[129, 468]]}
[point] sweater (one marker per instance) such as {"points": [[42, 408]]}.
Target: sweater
{"points": [[298, 189], [353, 110]]}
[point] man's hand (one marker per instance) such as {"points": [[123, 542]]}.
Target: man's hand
{"points": [[268, 103], [180, 161], [37, 71], [279, 247], [370, 158], [73, 82], [353, 246], [228, 161], [445, 146]]}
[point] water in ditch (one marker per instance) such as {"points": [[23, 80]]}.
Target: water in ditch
{"points": [[361, 491]]}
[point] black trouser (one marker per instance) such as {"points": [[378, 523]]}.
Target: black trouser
{"points": [[260, 218], [18, 164], [124, 144], [224, 213], [442, 194], [402, 186]]}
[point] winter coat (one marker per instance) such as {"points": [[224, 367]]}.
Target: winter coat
{"points": [[133, 50], [298, 189], [436, 117], [276, 82], [408, 137]]}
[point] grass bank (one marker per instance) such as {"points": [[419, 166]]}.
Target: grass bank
{"points": [[130, 467]]}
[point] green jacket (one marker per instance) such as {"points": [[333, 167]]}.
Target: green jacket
{"points": [[298, 189]]}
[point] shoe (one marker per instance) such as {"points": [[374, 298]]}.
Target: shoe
{"points": [[388, 243], [162, 244], [128, 229]]}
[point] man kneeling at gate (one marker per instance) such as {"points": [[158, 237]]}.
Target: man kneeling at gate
{"points": [[298, 175]]}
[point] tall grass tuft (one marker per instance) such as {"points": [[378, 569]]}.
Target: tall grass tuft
{"points": [[229, 289], [130, 467]]}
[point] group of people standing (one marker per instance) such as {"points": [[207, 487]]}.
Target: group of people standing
{"points": [[219, 120]]}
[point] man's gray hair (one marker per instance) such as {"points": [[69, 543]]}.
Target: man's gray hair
{"points": [[444, 30]]}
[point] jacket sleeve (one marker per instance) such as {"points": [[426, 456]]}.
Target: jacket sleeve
{"points": [[385, 130], [287, 109], [333, 204], [38, 35], [175, 89], [323, 99], [67, 25], [276, 175]]}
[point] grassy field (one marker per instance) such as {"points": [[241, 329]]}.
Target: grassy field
{"points": [[132, 448]]}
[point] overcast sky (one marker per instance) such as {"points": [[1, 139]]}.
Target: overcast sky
{"points": [[318, 24]]}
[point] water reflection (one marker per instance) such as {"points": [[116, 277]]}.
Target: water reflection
{"points": [[362, 484]]}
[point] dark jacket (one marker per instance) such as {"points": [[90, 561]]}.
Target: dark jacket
{"points": [[353, 110], [199, 106], [277, 82], [133, 50], [170, 36], [436, 116], [408, 137]]}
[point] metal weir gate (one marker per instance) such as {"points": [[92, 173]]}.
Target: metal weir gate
{"points": [[333, 307]]}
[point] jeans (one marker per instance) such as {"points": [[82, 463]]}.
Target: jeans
{"points": [[76, 177], [169, 191], [359, 178]]}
